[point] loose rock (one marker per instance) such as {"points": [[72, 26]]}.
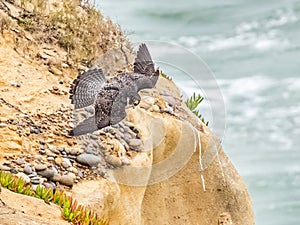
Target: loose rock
{"points": [[24, 177], [2, 125], [80, 174], [54, 169], [33, 174], [42, 151], [113, 160], [20, 161], [55, 71], [49, 185], [27, 169], [58, 161], [54, 150], [5, 168], [135, 142], [66, 163], [46, 173], [56, 177], [74, 152], [73, 170], [50, 158], [39, 167], [155, 108], [36, 180], [7, 163], [67, 180], [88, 159], [35, 131]]}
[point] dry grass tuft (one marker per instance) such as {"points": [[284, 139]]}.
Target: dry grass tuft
{"points": [[73, 25]]}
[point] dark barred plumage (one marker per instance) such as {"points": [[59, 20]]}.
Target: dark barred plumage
{"points": [[110, 99]]}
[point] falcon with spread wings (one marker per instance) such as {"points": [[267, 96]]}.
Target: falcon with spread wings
{"points": [[111, 98]]}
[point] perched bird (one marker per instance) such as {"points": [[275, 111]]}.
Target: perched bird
{"points": [[111, 98]]}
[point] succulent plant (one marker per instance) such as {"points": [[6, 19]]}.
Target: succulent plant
{"points": [[44, 193], [71, 210], [192, 103]]}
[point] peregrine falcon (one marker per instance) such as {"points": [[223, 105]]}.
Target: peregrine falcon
{"points": [[111, 98]]}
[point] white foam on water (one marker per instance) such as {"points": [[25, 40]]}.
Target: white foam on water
{"points": [[259, 41], [260, 34], [293, 83], [265, 44], [245, 86], [284, 142], [246, 27], [282, 17]]}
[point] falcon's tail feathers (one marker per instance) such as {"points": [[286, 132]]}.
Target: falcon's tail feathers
{"points": [[85, 127], [85, 88]]}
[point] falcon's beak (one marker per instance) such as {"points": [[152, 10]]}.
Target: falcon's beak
{"points": [[156, 69], [136, 102]]}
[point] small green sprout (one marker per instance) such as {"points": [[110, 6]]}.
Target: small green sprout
{"points": [[192, 103]]}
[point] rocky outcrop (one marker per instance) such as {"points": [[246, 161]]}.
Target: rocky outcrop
{"points": [[180, 199], [149, 163]]}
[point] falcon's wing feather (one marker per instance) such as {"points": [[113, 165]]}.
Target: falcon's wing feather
{"points": [[143, 63], [110, 107], [102, 115], [85, 127], [140, 82], [85, 88]]}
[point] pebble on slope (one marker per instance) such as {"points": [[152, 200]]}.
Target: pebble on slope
{"points": [[27, 169], [88, 159], [39, 167], [46, 173], [67, 179]]}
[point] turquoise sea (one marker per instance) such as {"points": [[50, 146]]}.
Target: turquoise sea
{"points": [[253, 49]]}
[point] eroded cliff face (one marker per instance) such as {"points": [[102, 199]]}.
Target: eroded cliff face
{"points": [[184, 198], [157, 190]]}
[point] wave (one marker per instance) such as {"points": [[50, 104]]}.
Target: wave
{"points": [[280, 18], [266, 41], [259, 102], [260, 35]]}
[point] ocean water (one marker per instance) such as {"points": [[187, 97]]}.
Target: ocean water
{"points": [[253, 49]]}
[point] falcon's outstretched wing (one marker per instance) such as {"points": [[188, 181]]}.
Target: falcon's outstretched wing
{"points": [[143, 63], [85, 88], [85, 127], [109, 109]]}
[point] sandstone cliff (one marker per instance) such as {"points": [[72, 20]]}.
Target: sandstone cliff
{"points": [[35, 76]]}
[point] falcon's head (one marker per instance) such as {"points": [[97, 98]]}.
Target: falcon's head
{"points": [[134, 99]]}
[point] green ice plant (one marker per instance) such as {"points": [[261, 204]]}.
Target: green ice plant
{"points": [[71, 210], [44, 193], [192, 103], [28, 191], [5, 179]]}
